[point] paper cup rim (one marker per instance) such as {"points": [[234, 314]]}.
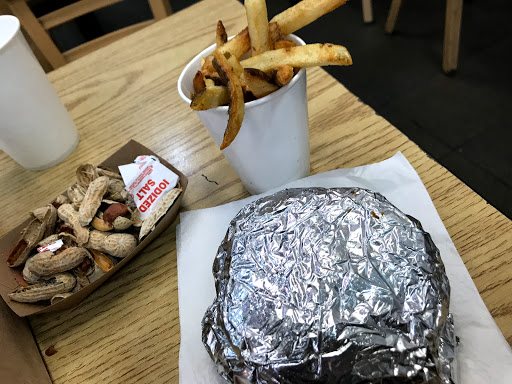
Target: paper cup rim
{"points": [[16, 21], [250, 104]]}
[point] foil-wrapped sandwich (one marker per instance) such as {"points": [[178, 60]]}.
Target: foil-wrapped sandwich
{"points": [[329, 286]]}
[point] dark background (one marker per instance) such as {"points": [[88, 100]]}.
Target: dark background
{"points": [[462, 121]]}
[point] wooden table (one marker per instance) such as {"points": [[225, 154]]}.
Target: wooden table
{"points": [[128, 330]]}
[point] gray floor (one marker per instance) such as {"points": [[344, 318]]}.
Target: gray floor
{"points": [[462, 121]]}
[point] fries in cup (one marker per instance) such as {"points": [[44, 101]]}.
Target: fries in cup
{"points": [[227, 77]]}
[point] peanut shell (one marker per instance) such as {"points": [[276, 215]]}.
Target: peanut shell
{"points": [[59, 297], [115, 244], [101, 225], [92, 200], [162, 207], [121, 223], [44, 290], [86, 174], [109, 172], [76, 194], [102, 260], [47, 263], [48, 215], [116, 190], [30, 236], [69, 215]]}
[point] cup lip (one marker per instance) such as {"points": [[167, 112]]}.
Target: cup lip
{"points": [[250, 104], [15, 31]]}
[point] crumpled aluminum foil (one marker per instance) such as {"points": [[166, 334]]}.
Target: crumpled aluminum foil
{"points": [[329, 286]]}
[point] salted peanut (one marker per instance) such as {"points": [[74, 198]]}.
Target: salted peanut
{"points": [[102, 260], [116, 191], [59, 297], [30, 236], [163, 205], [48, 215], [101, 225], [69, 215], [114, 211], [47, 263], [44, 290], [76, 194], [116, 244], [121, 223], [59, 200], [92, 200], [86, 174], [29, 276], [87, 265], [109, 172]]}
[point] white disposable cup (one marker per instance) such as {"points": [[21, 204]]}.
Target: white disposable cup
{"points": [[272, 147], [35, 128]]}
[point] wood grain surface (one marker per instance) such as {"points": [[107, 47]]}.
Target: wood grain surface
{"points": [[128, 330]]}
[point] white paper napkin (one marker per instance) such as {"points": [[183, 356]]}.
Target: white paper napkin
{"points": [[483, 355]]}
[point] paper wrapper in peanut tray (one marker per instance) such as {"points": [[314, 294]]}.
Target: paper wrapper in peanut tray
{"points": [[124, 155]]}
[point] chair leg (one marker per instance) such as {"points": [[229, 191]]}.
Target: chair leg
{"points": [[452, 35], [37, 33], [160, 8], [367, 11], [394, 10]]}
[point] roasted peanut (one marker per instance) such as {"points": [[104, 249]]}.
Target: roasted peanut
{"points": [[29, 238], [47, 263], [28, 276], [114, 211], [121, 223], [116, 244], [86, 174], [44, 290], [68, 214], [92, 200], [163, 205]]}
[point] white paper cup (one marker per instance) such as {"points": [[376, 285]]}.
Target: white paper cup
{"points": [[35, 128], [272, 147]]}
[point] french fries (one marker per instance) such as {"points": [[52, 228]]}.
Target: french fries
{"points": [[274, 33], [236, 108], [210, 97], [258, 83], [304, 13], [282, 75], [221, 37], [224, 80], [290, 20], [304, 56], [257, 22], [198, 82]]}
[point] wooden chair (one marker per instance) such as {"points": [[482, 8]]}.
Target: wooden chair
{"points": [[37, 28], [452, 25]]}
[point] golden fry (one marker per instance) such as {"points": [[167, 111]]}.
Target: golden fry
{"points": [[283, 75], [236, 109], [257, 22], [290, 20], [258, 83], [237, 68], [274, 33], [304, 56], [304, 13], [209, 98], [198, 82], [284, 44], [221, 36]]}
